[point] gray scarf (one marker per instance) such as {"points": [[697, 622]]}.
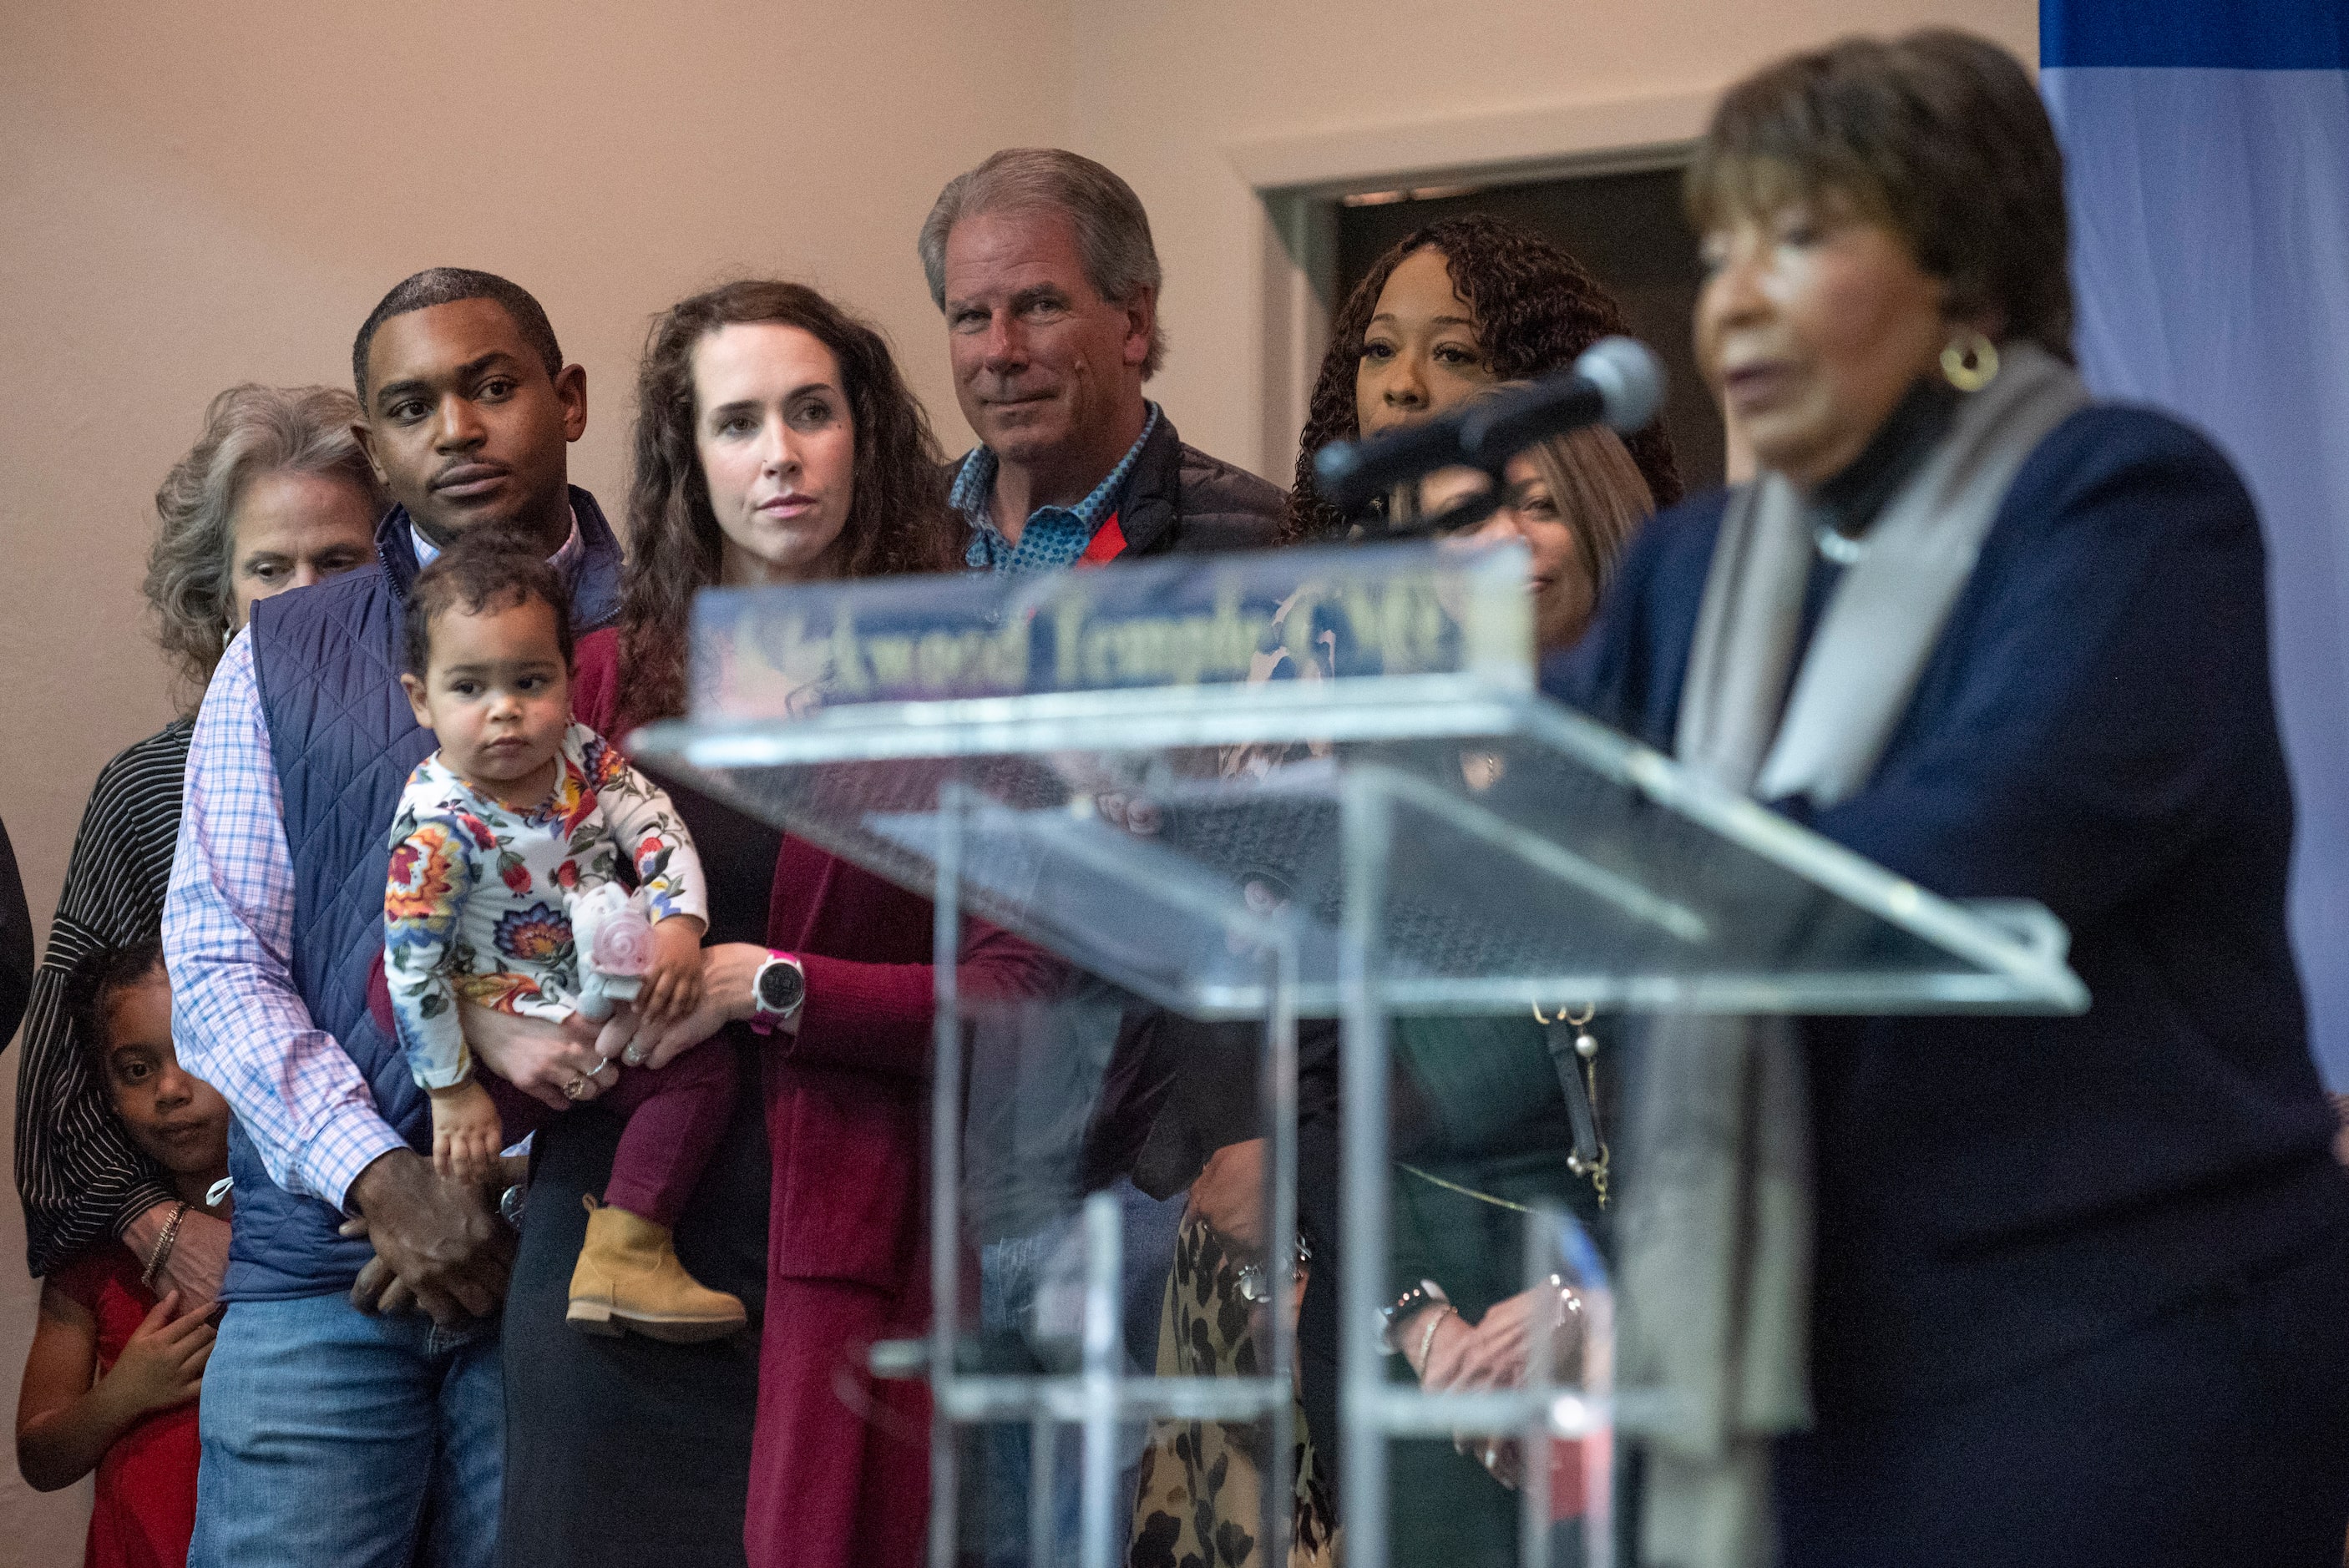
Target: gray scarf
{"points": [[1715, 1234]]}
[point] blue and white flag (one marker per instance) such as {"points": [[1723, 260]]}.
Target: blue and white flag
{"points": [[2207, 145]]}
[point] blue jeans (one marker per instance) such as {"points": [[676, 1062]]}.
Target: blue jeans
{"points": [[324, 1431], [1011, 1271]]}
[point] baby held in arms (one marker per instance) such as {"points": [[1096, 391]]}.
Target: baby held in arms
{"points": [[507, 857]]}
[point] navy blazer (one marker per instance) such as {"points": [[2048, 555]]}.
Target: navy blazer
{"points": [[2096, 730]]}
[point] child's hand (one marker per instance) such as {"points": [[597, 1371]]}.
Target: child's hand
{"points": [[465, 1141], [163, 1363], [673, 982]]}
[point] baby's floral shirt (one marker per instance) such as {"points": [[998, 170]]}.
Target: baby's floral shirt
{"points": [[476, 906]]}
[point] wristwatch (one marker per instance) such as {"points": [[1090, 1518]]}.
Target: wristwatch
{"points": [[776, 992], [1406, 1306]]}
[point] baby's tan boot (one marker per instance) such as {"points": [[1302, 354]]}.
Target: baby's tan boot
{"points": [[628, 1278]]}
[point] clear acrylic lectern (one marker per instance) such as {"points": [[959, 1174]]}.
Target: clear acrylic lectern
{"points": [[1251, 790]]}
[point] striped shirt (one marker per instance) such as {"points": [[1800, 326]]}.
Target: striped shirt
{"points": [[80, 1177]]}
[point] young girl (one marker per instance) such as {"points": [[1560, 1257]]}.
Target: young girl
{"points": [[520, 812], [135, 1423]]}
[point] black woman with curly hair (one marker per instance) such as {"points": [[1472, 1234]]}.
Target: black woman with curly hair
{"points": [[1453, 308]]}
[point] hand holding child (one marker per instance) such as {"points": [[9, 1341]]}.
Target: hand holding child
{"points": [[465, 1139], [162, 1362], [628, 956]]}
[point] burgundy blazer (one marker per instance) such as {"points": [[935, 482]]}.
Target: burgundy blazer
{"points": [[847, 1097]]}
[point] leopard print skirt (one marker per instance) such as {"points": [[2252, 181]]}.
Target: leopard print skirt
{"points": [[1200, 1503]]}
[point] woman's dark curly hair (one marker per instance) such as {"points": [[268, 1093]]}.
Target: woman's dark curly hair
{"points": [[898, 518], [1536, 310]]}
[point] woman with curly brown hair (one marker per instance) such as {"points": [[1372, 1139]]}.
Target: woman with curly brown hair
{"points": [[276, 494], [776, 443], [1454, 308]]}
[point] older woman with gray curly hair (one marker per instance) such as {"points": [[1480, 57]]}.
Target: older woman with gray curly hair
{"points": [[275, 494]]}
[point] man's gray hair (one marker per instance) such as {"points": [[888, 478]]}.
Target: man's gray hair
{"points": [[1113, 231]]}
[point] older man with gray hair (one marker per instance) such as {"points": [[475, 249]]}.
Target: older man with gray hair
{"points": [[1042, 264]]}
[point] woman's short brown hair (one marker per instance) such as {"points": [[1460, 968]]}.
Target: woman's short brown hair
{"points": [[1938, 136]]}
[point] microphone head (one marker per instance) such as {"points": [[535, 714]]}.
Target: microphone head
{"points": [[1350, 473], [1333, 471], [1630, 379]]}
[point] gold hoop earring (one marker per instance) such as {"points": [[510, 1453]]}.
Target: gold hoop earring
{"points": [[1970, 361]]}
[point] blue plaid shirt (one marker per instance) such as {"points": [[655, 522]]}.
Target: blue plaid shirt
{"points": [[1055, 535]]}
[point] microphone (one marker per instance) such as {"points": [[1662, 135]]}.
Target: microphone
{"points": [[1616, 381]]}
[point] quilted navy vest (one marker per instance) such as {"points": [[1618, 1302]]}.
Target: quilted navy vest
{"points": [[327, 662]]}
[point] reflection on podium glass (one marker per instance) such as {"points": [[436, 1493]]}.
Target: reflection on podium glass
{"points": [[1219, 796]]}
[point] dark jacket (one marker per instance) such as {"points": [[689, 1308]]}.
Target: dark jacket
{"points": [[2096, 731], [327, 662], [1179, 500], [15, 944], [1041, 1132]]}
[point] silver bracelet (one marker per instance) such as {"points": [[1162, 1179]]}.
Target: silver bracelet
{"points": [[1427, 1340], [162, 1253], [1251, 1283]]}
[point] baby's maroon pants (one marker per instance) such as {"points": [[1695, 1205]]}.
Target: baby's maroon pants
{"points": [[676, 1116]]}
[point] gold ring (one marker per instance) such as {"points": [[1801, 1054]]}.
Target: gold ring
{"points": [[574, 1088]]}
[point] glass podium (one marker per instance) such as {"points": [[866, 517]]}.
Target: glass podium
{"points": [[1245, 791]]}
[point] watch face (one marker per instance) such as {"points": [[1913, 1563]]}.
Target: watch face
{"points": [[781, 986]]}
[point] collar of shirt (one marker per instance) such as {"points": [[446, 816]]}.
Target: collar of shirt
{"points": [[565, 561], [1055, 536]]}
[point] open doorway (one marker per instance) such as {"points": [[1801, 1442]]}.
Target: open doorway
{"points": [[1627, 228]]}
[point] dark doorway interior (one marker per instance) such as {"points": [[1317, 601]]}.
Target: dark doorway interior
{"points": [[1628, 230]]}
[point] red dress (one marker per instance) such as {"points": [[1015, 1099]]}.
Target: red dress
{"points": [[145, 1506], [840, 1459]]}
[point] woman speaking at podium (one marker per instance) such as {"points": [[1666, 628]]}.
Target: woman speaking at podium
{"points": [[2079, 1288]]}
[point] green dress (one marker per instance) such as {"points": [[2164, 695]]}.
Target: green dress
{"points": [[1478, 1105]]}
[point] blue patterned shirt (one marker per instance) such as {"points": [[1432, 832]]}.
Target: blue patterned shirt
{"points": [[1055, 535]]}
